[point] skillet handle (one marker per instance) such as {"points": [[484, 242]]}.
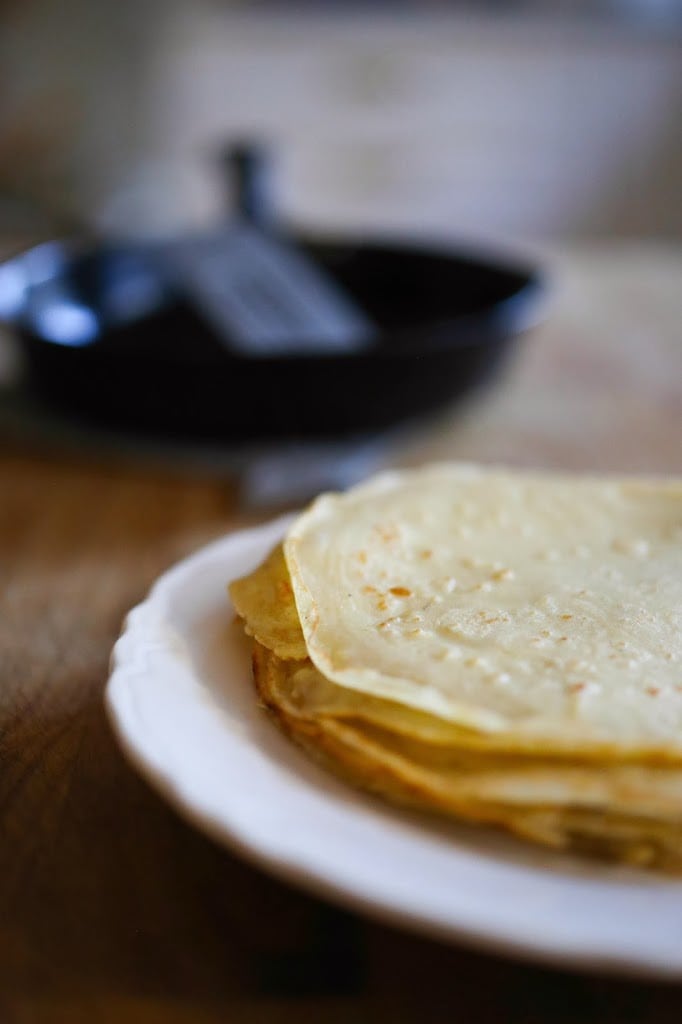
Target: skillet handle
{"points": [[248, 167]]}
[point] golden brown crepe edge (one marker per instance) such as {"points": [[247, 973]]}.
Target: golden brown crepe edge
{"points": [[335, 747]]}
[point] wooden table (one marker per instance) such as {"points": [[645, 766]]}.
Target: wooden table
{"points": [[111, 908]]}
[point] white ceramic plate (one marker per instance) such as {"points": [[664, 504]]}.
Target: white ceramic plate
{"points": [[181, 700]]}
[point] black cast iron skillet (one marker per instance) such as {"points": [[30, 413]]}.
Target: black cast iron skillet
{"points": [[107, 341]]}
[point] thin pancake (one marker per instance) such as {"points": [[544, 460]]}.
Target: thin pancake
{"points": [[375, 766], [542, 608], [268, 608], [265, 601], [649, 792]]}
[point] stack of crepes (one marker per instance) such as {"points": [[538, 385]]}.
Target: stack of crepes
{"points": [[500, 646]]}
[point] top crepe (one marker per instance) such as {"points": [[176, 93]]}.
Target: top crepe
{"points": [[538, 607]]}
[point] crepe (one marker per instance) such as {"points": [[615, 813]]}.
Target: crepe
{"points": [[596, 769], [265, 602], [546, 608], [622, 815]]}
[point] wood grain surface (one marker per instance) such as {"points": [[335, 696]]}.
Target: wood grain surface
{"points": [[111, 908]]}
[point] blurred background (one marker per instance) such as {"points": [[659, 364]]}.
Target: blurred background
{"points": [[534, 120], [535, 129]]}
